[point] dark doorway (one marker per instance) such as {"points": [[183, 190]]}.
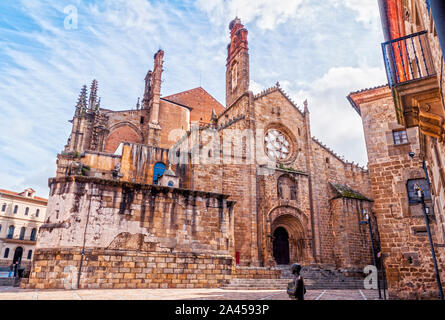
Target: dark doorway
{"points": [[281, 246], [18, 255]]}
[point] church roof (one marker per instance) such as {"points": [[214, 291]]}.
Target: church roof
{"points": [[201, 102], [343, 191], [20, 194]]}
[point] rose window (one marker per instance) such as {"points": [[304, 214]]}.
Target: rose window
{"points": [[277, 145]]}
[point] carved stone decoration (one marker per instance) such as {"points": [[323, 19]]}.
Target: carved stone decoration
{"points": [[277, 145]]}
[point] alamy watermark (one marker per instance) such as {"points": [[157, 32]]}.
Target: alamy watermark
{"points": [[71, 21], [372, 278]]}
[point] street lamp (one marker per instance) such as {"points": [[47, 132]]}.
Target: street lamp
{"points": [[368, 222], [421, 195]]}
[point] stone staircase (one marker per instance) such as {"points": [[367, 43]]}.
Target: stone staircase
{"points": [[9, 282], [316, 277]]}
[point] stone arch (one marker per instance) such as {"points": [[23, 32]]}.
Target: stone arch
{"points": [[122, 132], [296, 236], [296, 224], [18, 254]]}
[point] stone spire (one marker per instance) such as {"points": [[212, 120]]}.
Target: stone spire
{"points": [[97, 106], [146, 99], [138, 104], [214, 117], [306, 109], [82, 101], [93, 95], [155, 89]]}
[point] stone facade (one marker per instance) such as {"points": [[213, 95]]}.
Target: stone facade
{"points": [[21, 215], [243, 188], [403, 126], [405, 246]]}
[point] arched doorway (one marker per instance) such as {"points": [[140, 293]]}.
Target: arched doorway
{"points": [[18, 255], [281, 246]]}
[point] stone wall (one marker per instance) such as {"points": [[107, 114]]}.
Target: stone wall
{"points": [[352, 245], [140, 222], [123, 269], [406, 251], [256, 273]]}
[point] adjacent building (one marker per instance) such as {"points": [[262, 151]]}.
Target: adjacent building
{"points": [[404, 130], [21, 215]]}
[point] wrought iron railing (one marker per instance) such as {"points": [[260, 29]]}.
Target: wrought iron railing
{"points": [[408, 58]]}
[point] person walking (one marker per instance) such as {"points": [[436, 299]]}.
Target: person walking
{"points": [[296, 289], [15, 269], [11, 269]]}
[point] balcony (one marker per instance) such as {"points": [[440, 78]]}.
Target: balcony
{"points": [[413, 80]]}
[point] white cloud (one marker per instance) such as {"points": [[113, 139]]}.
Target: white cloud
{"points": [[300, 43], [267, 14], [333, 119]]}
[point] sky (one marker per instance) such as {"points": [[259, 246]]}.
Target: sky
{"points": [[319, 50]]}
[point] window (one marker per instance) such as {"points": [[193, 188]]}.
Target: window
{"points": [[22, 233], [234, 76], [26, 211], [33, 234], [29, 254], [0, 227], [6, 253], [11, 232], [16, 208], [37, 212], [412, 193], [158, 171], [4, 207], [400, 137]]}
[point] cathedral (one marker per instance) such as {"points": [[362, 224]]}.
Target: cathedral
{"points": [[185, 192]]}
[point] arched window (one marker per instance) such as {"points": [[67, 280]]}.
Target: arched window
{"points": [[37, 212], [0, 228], [158, 171], [26, 211], [4, 207], [11, 232], [22, 233], [16, 208], [33, 234], [29, 254], [6, 253]]}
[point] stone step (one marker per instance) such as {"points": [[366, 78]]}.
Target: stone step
{"points": [[7, 282], [281, 284]]}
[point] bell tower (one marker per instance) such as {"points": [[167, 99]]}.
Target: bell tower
{"points": [[237, 68]]}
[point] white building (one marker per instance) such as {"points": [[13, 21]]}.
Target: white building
{"points": [[21, 215]]}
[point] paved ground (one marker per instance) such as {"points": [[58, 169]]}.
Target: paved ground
{"points": [[10, 293]]}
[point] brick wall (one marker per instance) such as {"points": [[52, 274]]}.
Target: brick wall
{"points": [[116, 269], [123, 219]]}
